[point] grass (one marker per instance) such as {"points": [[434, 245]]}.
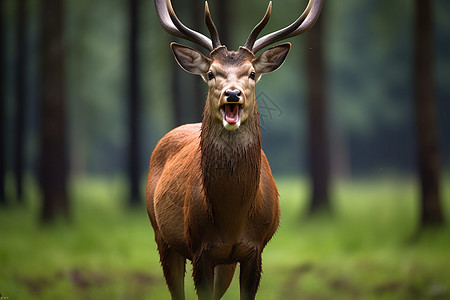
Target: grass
{"points": [[366, 250]]}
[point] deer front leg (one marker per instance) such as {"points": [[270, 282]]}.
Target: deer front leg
{"points": [[223, 275], [174, 268], [203, 273], [250, 275]]}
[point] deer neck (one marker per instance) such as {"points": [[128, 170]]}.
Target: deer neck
{"points": [[231, 166]]}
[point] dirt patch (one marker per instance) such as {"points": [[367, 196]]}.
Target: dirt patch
{"points": [[85, 279], [341, 284], [294, 276], [389, 287], [432, 290], [36, 284], [142, 278]]}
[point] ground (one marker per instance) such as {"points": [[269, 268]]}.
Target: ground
{"points": [[367, 249]]}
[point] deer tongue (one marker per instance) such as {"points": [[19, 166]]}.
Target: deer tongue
{"points": [[232, 113]]}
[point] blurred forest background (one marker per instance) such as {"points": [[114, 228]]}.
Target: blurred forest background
{"points": [[89, 87]]}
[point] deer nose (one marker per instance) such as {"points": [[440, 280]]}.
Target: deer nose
{"points": [[233, 95]]}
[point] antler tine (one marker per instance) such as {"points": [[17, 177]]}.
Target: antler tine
{"points": [[211, 27], [307, 19], [258, 28], [310, 20], [173, 25]]}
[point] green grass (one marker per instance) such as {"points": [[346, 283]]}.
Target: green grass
{"points": [[368, 249]]}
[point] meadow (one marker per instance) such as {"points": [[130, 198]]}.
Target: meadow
{"points": [[368, 248]]}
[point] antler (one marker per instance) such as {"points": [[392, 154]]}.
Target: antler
{"points": [[306, 20], [173, 25], [211, 27], [254, 34]]}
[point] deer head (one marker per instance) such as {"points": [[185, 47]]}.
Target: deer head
{"points": [[231, 75]]}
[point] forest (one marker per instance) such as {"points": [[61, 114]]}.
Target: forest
{"points": [[354, 126]]}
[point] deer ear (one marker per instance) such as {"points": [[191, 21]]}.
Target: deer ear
{"points": [[271, 59], [191, 60]]}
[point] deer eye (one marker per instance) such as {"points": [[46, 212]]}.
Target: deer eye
{"points": [[252, 75], [210, 75]]}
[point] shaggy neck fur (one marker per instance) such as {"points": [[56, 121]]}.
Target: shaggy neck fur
{"points": [[231, 165]]}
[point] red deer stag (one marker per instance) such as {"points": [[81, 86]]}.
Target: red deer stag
{"points": [[211, 197]]}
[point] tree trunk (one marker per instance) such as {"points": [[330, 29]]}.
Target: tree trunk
{"points": [[134, 103], [53, 154], [224, 18], [2, 109], [317, 121], [176, 94], [197, 12], [20, 96], [426, 118]]}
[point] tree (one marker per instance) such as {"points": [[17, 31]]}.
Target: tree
{"points": [[199, 87], [176, 94], [223, 14], [20, 96], [134, 102], [426, 119], [318, 142], [53, 151], [2, 110]]}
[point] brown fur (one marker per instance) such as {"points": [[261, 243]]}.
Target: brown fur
{"points": [[211, 198]]}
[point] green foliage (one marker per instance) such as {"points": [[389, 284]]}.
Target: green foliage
{"points": [[365, 251]]}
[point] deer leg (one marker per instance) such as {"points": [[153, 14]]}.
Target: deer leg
{"points": [[203, 273], [174, 268], [223, 274], [250, 275]]}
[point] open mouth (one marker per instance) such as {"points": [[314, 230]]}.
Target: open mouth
{"points": [[231, 113]]}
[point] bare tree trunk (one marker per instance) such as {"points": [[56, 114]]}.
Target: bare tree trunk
{"points": [[176, 94], [20, 96], [199, 86], [2, 109], [224, 18], [318, 142], [53, 154], [426, 118], [134, 103]]}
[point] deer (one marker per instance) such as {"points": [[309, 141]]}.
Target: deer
{"points": [[211, 197]]}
